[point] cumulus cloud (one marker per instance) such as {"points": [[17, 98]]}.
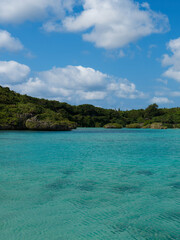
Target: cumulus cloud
{"points": [[8, 42], [160, 100], [115, 23], [75, 84], [12, 72], [106, 23], [122, 88], [173, 60], [22, 10], [70, 83]]}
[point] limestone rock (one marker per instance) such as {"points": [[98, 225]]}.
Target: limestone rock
{"points": [[113, 125], [45, 125]]}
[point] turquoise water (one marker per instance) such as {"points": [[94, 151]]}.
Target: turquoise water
{"points": [[90, 184]]}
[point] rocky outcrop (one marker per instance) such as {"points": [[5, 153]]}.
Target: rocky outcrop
{"points": [[157, 125], [33, 123], [113, 125], [11, 127], [45, 125], [134, 125], [17, 124]]}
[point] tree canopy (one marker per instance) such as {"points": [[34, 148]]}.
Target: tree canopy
{"points": [[16, 109]]}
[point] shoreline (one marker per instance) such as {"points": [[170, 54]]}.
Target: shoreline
{"points": [[123, 128]]}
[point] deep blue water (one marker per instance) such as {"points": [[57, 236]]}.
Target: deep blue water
{"points": [[90, 184]]}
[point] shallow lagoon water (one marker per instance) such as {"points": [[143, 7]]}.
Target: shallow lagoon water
{"points": [[90, 184]]}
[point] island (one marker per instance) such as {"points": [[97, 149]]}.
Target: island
{"points": [[22, 112]]}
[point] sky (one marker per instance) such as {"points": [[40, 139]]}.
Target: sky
{"points": [[110, 53]]}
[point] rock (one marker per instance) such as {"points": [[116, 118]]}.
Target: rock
{"points": [[11, 127], [45, 125], [6, 127], [147, 126], [134, 125], [158, 125], [113, 125]]}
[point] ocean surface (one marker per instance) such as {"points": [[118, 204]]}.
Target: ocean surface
{"points": [[90, 184]]}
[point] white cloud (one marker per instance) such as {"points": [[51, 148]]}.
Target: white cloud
{"points": [[17, 11], [164, 81], [94, 95], [75, 84], [115, 23], [160, 100], [8, 42], [173, 60], [12, 72], [175, 93], [107, 23], [164, 91], [72, 83], [125, 89], [173, 73]]}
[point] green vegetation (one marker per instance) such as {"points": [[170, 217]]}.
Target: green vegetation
{"points": [[24, 112]]}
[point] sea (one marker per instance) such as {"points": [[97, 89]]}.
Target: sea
{"points": [[90, 184]]}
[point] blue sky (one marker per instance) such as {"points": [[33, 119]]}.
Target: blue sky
{"points": [[109, 53]]}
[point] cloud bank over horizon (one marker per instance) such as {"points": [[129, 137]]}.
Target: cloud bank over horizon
{"points": [[160, 100], [72, 83]]}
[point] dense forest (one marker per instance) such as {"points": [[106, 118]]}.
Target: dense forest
{"points": [[24, 112]]}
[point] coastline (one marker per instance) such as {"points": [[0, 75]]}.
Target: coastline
{"points": [[22, 112]]}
